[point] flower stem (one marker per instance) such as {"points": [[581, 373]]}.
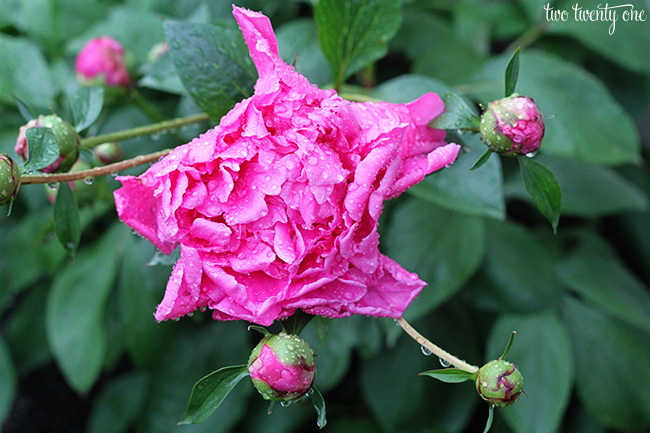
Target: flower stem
{"points": [[91, 142], [93, 172], [440, 353]]}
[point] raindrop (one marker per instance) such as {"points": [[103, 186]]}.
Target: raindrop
{"points": [[425, 351], [53, 186], [444, 363], [530, 154], [286, 403], [69, 246], [88, 180]]}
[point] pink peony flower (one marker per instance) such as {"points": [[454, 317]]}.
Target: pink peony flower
{"points": [[102, 61], [512, 125], [282, 367], [277, 207]]}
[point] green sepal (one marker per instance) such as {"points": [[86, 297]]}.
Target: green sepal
{"points": [[450, 375], [482, 160], [209, 392], [319, 404], [67, 221], [262, 330], [543, 188], [42, 148], [509, 345], [512, 73], [457, 115]]}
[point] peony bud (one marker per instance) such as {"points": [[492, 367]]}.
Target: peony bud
{"points": [[282, 367], [102, 62], [65, 134], [157, 51], [499, 382], [108, 153], [9, 178], [512, 125]]}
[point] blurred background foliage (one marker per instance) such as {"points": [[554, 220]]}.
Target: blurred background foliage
{"points": [[80, 350]]}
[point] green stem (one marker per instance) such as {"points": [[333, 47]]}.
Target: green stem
{"points": [[440, 353], [91, 142], [93, 172]]}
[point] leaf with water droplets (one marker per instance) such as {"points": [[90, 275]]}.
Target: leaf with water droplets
{"points": [[450, 375], [512, 73], [42, 148], [209, 392], [213, 63]]}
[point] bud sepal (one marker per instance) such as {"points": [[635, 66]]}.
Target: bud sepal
{"points": [[9, 179]]}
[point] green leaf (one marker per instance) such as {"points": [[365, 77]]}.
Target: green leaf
{"points": [[162, 76], [588, 190], [512, 73], [298, 41], [444, 248], [42, 148], [587, 122], [595, 272], [8, 382], [67, 221], [24, 108], [86, 104], [213, 63], [75, 311], [118, 404], [457, 115], [625, 46], [450, 375], [24, 73], [355, 33], [518, 272], [473, 192], [209, 392], [488, 424], [544, 356], [613, 367], [145, 340], [409, 87], [543, 188], [440, 53], [319, 404]]}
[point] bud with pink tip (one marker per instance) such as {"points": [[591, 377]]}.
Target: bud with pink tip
{"points": [[65, 134], [282, 367], [9, 178], [512, 126], [102, 62], [499, 382], [108, 153]]}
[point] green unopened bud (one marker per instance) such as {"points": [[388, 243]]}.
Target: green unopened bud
{"points": [[66, 136], [282, 367], [108, 153], [9, 178], [512, 126], [499, 382]]}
